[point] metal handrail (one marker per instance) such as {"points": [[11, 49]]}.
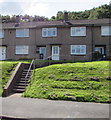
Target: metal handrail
{"points": [[29, 68], [47, 57]]}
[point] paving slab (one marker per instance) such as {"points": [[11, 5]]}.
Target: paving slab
{"points": [[18, 107]]}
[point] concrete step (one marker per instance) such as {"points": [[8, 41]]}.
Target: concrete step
{"points": [[24, 79], [27, 70], [18, 90], [19, 87], [21, 84], [25, 76]]}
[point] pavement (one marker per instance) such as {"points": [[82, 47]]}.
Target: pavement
{"points": [[18, 107]]}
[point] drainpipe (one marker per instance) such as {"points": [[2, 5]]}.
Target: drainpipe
{"points": [[92, 39]]}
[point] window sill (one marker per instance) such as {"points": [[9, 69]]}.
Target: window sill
{"points": [[21, 54], [23, 37], [48, 36], [105, 35], [77, 36], [78, 54]]}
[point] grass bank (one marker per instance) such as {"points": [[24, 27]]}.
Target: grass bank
{"points": [[88, 82], [6, 70]]}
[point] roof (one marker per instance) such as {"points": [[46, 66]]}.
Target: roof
{"points": [[56, 23]]}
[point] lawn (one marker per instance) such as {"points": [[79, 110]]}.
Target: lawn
{"points": [[88, 82]]}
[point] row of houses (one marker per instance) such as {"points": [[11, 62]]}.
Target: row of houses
{"points": [[57, 40]]}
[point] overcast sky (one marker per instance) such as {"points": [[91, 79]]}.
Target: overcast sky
{"points": [[47, 8]]}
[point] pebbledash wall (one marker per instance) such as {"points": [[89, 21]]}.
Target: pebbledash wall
{"points": [[59, 40]]}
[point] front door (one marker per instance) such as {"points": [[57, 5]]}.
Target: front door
{"points": [[42, 51], [101, 50], [55, 52], [2, 53]]}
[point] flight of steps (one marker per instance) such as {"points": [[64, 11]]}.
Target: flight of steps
{"points": [[20, 85]]}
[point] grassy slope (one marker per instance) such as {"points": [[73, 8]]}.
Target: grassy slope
{"points": [[71, 81], [6, 70]]}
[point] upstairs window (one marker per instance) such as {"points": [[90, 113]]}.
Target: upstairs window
{"points": [[105, 30], [22, 49], [1, 33], [78, 49], [78, 31], [22, 32], [49, 32]]}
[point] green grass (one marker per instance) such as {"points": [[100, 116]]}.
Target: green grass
{"points": [[6, 70], [71, 81]]}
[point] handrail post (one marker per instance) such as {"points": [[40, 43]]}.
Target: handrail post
{"points": [[28, 72]]}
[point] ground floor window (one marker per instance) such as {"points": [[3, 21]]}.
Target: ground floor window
{"points": [[22, 49], [78, 49]]}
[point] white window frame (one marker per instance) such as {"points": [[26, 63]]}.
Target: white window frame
{"points": [[22, 50], [22, 32], [105, 30], [49, 32], [78, 31], [1, 33], [78, 47]]}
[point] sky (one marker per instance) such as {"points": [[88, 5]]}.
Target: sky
{"points": [[47, 8]]}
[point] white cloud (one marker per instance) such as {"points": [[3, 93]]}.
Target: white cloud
{"points": [[37, 8], [47, 8]]}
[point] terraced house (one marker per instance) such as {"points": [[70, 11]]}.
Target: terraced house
{"points": [[58, 40]]}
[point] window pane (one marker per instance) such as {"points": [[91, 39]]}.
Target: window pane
{"points": [[78, 31], [1, 33], [83, 49], [78, 49], [22, 33], [22, 49], [49, 32], [106, 30], [73, 49], [43, 50], [55, 50]]}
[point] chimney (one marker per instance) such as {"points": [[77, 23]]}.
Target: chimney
{"points": [[65, 16], [17, 21]]}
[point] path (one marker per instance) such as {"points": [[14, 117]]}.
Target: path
{"points": [[15, 106]]}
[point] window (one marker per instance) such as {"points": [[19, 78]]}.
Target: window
{"points": [[55, 50], [49, 32], [1, 33], [22, 32], [78, 49], [78, 31], [21, 49], [106, 30]]}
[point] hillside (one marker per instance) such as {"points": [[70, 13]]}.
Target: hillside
{"points": [[87, 82], [103, 11]]}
